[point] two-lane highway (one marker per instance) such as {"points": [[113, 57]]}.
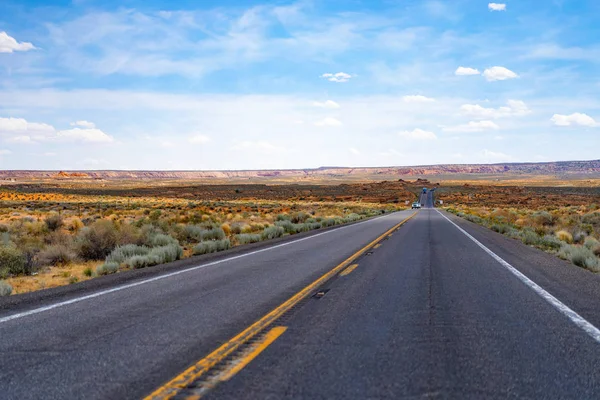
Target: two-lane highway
{"points": [[428, 314], [437, 308]]}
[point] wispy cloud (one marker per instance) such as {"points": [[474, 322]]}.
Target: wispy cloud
{"points": [[417, 134], [339, 77], [473, 126], [497, 7]]}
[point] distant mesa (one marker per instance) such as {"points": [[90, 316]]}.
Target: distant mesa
{"points": [[588, 168], [70, 175]]}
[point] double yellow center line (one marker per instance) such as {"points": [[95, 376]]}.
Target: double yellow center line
{"points": [[196, 371]]}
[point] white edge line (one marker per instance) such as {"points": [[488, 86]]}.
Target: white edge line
{"points": [[170, 274], [561, 307]]}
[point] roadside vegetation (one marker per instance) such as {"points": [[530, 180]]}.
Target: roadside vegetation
{"points": [[49, 240], [570, 232]]}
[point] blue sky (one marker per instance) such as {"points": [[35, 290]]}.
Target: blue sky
{"points": [[89, 84]]}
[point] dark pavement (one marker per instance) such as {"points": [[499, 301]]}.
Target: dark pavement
{"points": [[428, 314], [124, 344]]}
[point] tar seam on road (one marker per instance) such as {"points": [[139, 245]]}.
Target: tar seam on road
{"points": [[200, 368], [561, 307], [157, 278]]}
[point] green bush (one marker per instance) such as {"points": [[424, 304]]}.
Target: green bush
{"points": [[245, 238], [543, 218], [591, 242], [55, 255], [287, 226], [163, 240], [580, 256], [96, 241], [155, 256], [211, 246], [272, 232], [107, 268], [54, 221], [352, 217], [550, 242], [12, 261], [122, 253], [5, 289], [530, 238]]}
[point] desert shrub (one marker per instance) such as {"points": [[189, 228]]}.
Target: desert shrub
{"points": [[473, 218], [500, 228], [56, 255], [579, 237], [137, 262], [352, 217], [211, 246], [54, 221], [97, 240], [122, 253], [550, 242], [11, 261], [580, 256], [300, 217], [530, 238], [198, 233], [129, 234], [592, 218], [245, 238], [283, 217], [5, 289], [88, 272], [75, 225], [287, 226], [328, 222], [213, 234], [272, 232], [564, 236], [107, 268], [543, 218], [165, 254], [163, 240], [314, 225]]}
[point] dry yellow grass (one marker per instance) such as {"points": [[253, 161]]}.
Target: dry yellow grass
{"points": [[52, 277]]}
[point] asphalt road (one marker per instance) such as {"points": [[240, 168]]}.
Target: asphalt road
{"points": [[427, 314]]}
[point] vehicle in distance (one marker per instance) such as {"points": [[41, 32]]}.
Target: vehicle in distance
{"points": [[424, 190], [416, 204]]}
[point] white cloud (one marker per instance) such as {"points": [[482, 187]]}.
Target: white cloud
{"points": [[339, 77], [326, 104], [354, 151], [329, 121], [417, 99], [84, 124], [573, 119], [84, 135], [418, 134], [515, 108], [473, 126], [499, 74], [462, 71], [19, 130], [199, 139], [4, 152], [497, 7], [8, 44]]}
